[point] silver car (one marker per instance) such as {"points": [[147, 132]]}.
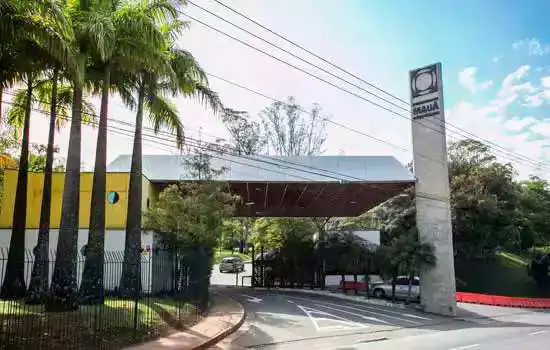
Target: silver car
{"points": [[384, 290], [232, 264]]}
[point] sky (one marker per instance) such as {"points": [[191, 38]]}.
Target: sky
{"points": [[496, 73]]}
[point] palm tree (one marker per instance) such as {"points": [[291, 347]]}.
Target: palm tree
{"points": [[90, 20], [14, 279], [136, 45], [153, 86], [58, 98]]}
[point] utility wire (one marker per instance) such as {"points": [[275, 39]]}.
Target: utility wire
{"points": [[300, 58], [494, 145], [272, 160], [359, 132], [334, 65], [200, 144], [347, 72]]}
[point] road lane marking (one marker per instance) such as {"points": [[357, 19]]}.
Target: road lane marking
{"points": [[291, 302], [344, 322], [354, 314], [369, 308], [369, 312], [537, 332], [251, 299], [471, 346]]}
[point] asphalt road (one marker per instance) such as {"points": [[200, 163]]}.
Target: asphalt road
{"points": [[278, 320]]}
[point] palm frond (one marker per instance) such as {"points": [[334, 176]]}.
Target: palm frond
{"points": [[164, 115], [186, 67], [207, 97], [16, 112], [162, 10]]}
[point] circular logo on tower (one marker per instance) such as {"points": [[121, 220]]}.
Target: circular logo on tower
{"points": [[112, 197], [424, 81]]}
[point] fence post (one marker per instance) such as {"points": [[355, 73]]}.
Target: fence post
{"points": [[252, 279], [262, 264]]}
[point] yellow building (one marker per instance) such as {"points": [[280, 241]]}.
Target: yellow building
{"points": [[115, 215]]}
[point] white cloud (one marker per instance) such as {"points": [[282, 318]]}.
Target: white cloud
{"points": [[533, 46], [467, 79], [542, 128], [534, 100], [497, 59], [492, 122], [516, 75], [517, 124], [545, 82]]}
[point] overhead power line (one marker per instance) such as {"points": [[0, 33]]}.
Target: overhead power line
{"points": [[334, 65], [277, 162], [285, 162], [354, 130], [491, 144]]}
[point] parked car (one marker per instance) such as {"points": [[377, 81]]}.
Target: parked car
{"points": [[384, 289], [232, 264]]}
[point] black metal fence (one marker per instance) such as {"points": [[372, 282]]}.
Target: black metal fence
{"points": [[173, 294]]}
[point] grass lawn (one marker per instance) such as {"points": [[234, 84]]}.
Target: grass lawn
{"points": [[219, 255], [109, 326]]}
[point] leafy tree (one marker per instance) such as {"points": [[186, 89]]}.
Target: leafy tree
{"points": [[189, 216], [535, 228], [485, 199], [290, 130], [38, 159], [192, 213], [248, 139], [347, 253], [232, 231], [246, 135]]}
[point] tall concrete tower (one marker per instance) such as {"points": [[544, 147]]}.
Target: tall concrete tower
{"points": [[433, 211]]}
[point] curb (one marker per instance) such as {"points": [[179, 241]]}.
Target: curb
{"points": [[225, 333], [345, 297]]}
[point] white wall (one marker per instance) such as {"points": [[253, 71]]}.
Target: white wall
{"points": [[114, 248], [372, 236]]}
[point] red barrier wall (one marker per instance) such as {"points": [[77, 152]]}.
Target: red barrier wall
{"points": [[497, 300]]}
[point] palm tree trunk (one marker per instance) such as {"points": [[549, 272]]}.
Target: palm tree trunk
{"points": [[14, 279], [63, 290], [91, 289], [40, 271], [130, 282]]}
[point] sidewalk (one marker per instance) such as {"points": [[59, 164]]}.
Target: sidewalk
{"points": [[225, 317]]}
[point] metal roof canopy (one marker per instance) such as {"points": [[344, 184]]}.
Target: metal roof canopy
{"points": [[299, 186]]}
